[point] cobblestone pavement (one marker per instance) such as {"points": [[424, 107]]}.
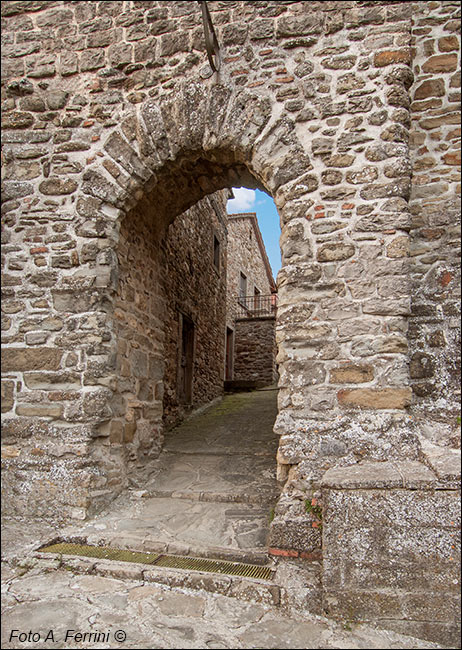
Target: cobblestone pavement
{"points": [[210, 489]]}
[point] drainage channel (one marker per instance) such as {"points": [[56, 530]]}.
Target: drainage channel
{"points": [[162, 560]]}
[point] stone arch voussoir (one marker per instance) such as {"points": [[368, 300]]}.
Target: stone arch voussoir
{"points": [[230, 127]]}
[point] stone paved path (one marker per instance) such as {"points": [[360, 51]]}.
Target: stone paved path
{"points": [[154, 616], [211, 489]]}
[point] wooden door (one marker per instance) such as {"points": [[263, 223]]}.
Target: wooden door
{"points": [[186, 361]]}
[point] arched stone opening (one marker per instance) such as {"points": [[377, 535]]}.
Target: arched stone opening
{"points": [[161, 168], [149, 306], [171, 152], [344, 296], [339, 174]]}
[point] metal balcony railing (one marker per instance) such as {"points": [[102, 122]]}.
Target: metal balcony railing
{"points": [[257, 306]]}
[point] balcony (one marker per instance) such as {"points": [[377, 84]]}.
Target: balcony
{"points": [[259, 306]]}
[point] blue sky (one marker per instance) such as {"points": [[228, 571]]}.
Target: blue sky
{"points": [[268, 219]]}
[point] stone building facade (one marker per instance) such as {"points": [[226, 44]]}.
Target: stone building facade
{"points": [[169, 317], [346, 113], [251, 305], [255, 351], [194, 275]]}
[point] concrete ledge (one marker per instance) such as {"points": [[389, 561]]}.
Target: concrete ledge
{"points": [[391, 551], [410, 475], [442, 633]]}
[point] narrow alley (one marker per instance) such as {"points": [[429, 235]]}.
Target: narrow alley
{"points": [[211, 490]]}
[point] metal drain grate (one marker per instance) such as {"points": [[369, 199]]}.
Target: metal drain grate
{"points": [[215, 566], [102, 552], [166, 561]]}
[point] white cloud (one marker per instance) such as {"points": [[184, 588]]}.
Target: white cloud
{"points": [[244, 200]]}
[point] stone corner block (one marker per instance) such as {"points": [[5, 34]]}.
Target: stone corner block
{"points": [[363, 475], [446, 463]]}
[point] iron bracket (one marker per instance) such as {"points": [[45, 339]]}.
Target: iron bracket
{"points": [[211, 42]]}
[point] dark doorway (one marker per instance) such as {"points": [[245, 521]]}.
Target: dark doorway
{"points": [[229, 354], [185, 383]]}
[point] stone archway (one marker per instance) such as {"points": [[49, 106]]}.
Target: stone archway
{"points": [[170, 153], [156, 186], [195, 139]]}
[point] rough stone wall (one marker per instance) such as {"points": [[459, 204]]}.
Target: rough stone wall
{"points": [[136, 403], [254, 338], [109, 105], [194, 286], [244, 256], [434, 329], [313, 103], [254, 350], [161, 273]]}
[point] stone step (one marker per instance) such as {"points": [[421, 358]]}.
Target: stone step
{"points": [[212, 477], [210, 497], [170, 449], [293, 585], [149, 545], [236, 527]]}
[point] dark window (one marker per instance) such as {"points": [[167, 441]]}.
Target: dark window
{"points": [[242, 286], [216, 252]]}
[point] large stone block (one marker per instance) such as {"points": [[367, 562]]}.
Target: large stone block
{"points": [[73, 302], [20, 359], [298, 25], [364, 606], [17, 120], [297, 534], [56, 186], [441, 63], [335, 252], [430, 88], [351, 374], [389, 57], [7, 395], [52, 380], [40, 410], [376, 398], [391, 554]]}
